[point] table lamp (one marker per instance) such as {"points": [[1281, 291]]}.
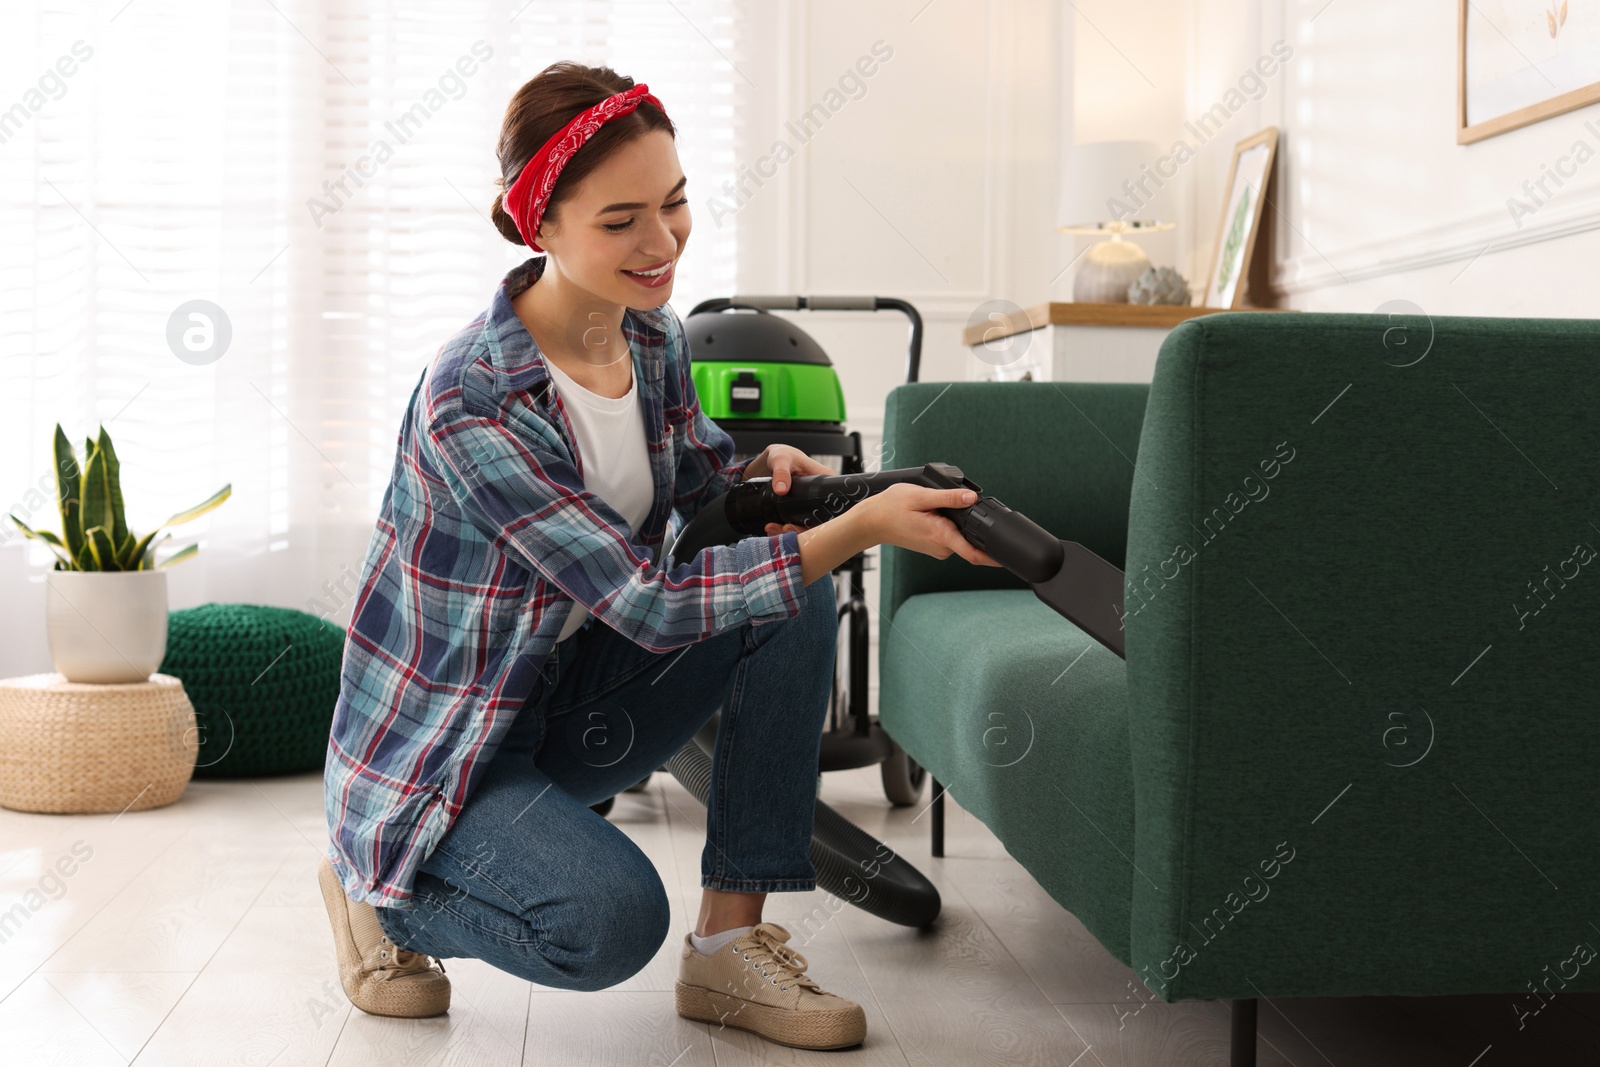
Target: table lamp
{"points": [[1100, 176]]}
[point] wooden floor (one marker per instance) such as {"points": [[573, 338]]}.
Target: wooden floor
{"points": [[194, 934]]}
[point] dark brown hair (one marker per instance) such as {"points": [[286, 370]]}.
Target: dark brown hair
{"points": [[538, 112]]}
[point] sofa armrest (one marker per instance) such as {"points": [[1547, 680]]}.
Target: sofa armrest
{"points": [[1361, 670]]}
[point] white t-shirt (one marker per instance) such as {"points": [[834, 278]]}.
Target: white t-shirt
{"points": [[616, 460]]}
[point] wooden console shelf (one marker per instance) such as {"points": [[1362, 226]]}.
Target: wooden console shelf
{"points": [[1078, 342], [1066, 313]]}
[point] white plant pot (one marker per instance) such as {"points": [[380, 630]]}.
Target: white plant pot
{"points": [[106, 627]]}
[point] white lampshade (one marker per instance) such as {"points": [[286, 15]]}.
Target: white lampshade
{"points": [[1100, 194], [1095, 173]]}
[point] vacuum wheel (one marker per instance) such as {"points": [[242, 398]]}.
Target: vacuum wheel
{"points": [[902, 777], [604, 807]]}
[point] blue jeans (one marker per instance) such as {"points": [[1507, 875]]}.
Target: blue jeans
{"points": [[530, 880]]}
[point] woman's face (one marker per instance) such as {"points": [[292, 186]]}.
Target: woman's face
{"points": [[629, 214]]}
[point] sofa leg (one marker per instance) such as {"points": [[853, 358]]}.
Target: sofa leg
{"points": [[938, 816], [1243, 1050]]}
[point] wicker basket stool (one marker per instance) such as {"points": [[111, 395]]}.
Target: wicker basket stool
{"points": [[71, 747]]}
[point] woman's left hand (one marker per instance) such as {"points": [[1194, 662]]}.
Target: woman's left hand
{"points": [[784, 463]]}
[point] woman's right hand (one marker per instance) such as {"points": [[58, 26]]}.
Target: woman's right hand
{"points": [[907, 516]]}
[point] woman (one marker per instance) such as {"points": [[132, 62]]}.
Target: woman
{"points": [[482, 710]]}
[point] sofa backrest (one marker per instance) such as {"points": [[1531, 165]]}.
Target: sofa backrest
{"points": [[1060, 453]]}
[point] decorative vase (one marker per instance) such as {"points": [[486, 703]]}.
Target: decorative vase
{"points": [[106, 627], [1107, 271]]}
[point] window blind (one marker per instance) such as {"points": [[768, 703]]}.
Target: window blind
{"points": [[321, 171]]}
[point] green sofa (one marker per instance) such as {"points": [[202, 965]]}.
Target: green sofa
{"points": [[1353, 748]]}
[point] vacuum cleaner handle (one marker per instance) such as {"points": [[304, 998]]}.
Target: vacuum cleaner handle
{"points": [[832, 303], [1068, 577]]}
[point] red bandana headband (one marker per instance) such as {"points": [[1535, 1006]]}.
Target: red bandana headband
{"points": [[529, 195]]}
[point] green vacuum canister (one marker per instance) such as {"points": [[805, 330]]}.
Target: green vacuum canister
{"points": [[757, 371]]}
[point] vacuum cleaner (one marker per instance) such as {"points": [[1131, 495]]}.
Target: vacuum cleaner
{"points": [[1072, 580], [764, 381]]}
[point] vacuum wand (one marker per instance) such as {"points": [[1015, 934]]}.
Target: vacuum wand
{"points": [[1070, 579]]}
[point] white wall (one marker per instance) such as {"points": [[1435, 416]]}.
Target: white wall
{"points": [[938, 185], [1128, 84], [1383, 203], [941, 183]]}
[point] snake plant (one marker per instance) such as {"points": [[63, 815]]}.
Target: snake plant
{"points": [[94, 531]]}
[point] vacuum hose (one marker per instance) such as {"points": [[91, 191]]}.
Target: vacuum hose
{"points": [[850, 862], [1072, 580]]}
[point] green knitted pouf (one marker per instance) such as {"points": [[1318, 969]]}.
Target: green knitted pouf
{"points": [[263, 682]]}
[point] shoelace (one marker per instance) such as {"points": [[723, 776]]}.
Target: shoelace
{"points": [[399, 962], [763, 946]]}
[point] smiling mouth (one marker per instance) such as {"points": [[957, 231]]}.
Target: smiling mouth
{"points": [[653, 273]]}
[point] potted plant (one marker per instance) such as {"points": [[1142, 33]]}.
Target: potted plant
{"points": [[106, 598]]}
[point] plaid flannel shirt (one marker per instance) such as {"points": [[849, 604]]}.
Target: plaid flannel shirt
{"points": [[485, 538]]}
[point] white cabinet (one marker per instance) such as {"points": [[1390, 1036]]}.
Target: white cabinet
{"points": [[1067, 342]]}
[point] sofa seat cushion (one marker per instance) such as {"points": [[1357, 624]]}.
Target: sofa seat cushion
{"points": [[1024, 718]]}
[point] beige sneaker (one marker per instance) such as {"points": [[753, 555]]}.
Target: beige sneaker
{"points": [[378, 976], [758, 983]]}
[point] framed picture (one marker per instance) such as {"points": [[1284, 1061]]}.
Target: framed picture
{"points": [[1241, 219], [1520, 61]]}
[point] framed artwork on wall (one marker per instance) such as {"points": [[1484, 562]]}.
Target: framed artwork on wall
{"points": [[1241, 219], [1520, 61]]}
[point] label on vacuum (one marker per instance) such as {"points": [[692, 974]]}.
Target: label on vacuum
{"points": [[744, 393]]}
